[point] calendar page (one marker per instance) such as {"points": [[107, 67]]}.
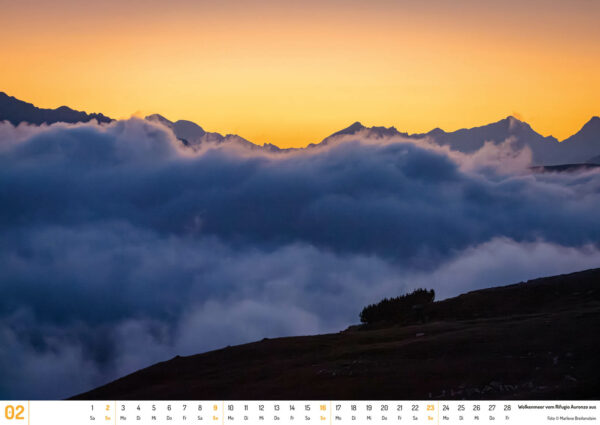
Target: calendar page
{"points": [[299, 212]]}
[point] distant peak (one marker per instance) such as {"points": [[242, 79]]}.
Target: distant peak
{"points": [[187, 122], [188, 125], [436, 130], [512, 120], [593, 125], [356, 126], [515, 123], [158, 118]]}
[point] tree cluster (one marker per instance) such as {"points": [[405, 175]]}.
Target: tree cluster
{"points": [[405, 308]]}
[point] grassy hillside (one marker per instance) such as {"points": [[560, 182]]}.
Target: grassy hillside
{"points": [[533, 340]]}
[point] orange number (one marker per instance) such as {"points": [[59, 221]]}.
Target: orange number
{"points": [[9, 412], [12, 412]]}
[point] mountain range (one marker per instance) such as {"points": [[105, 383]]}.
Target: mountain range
{"points": [[582, 147], [16, 111], [192, 135]]}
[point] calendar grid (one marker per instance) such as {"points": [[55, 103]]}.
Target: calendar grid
{"points": [[307, 412]]}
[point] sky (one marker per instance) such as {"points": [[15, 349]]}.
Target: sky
{"points": [[290, 73]]}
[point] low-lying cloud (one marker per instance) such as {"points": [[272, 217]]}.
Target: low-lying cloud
{"points": [[119, 247]]}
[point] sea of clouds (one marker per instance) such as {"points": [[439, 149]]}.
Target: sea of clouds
{"points": [[119, 247]]}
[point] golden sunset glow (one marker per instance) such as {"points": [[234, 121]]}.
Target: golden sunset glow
{"points": [[290, 73]]}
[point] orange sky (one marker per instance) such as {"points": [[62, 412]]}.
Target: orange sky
{"points": [[291, 73]]}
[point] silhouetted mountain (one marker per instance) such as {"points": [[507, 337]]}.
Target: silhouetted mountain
{"points": [[544, 149], [468, 140], [358, 128], [472, 139], [16, 111], [581, 148], [194, 136], [531, 340], [583, 145], [188, 132], [160, 119]]}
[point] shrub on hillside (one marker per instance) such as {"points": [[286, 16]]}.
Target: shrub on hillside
{"points": [[405, 308]]}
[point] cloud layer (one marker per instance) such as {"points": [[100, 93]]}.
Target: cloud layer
{"points": [[115, 237]]}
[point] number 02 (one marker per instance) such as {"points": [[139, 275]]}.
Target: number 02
{"points": [[12, 412]]}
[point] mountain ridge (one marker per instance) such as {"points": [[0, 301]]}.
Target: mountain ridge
{"points": [[16, 111], [194, 136], [581, 147], [546, 150]]}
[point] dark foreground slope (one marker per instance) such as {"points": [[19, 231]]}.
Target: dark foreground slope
{"points": [[534, 340]]}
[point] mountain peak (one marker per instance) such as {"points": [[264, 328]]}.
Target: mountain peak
{"points": [[590, 131], [188, 130], [352, 129], [594, 122], [435, 131], [160, 119], [514, 122], [355, 127]]}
